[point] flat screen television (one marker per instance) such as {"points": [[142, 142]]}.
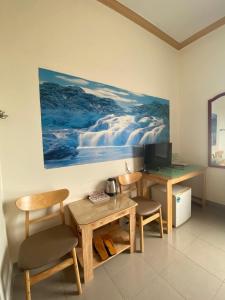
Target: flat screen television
{"points": [[157, 156]]}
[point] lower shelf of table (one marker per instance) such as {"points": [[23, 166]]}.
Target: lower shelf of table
{"points": [[120, 239]]}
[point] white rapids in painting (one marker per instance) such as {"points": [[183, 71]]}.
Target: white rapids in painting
{"points": [[121, 130]]}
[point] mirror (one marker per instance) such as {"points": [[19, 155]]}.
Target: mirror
{"points": [[216, 131]]}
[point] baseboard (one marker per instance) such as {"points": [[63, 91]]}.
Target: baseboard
{"points": [[215, 204], [197, 200]]}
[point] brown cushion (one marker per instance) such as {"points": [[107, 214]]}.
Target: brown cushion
{"points": [[46, 246], [146, 207]]}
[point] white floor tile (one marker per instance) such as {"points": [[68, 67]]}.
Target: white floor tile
{"points": [[133, 278], [209, 257], [114, 265], [100, 288], [193, 282], [215, 235], [158, 253], [220, 295], [158, 289], [181, 238], [195, 225]]}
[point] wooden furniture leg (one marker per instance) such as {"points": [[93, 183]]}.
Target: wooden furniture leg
{"points": [[87, 249], [161, 223], [141, 228], [75, 264], [132, 222], [169, 206], [203, 189], [27, 285]]}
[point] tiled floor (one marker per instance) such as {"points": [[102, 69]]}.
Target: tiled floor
{"points": [[189, 264]]}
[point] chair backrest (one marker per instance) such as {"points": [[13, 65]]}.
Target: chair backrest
{"points": [[41, 201], [219, 154], [130, 182]]}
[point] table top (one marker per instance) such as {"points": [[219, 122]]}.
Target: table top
{"points": [[175, 172], [85, 212]]}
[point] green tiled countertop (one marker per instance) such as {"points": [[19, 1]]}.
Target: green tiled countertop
{"points": [[174, 172]]}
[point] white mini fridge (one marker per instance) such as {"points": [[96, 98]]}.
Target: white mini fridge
{"points": [[181, 202]]}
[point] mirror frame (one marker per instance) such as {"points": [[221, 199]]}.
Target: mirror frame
{"points": [[209, 130]]}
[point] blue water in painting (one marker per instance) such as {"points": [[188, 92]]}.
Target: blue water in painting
{"points": [[97, 154], [86, 122]]}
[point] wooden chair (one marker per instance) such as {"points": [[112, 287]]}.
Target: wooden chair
{"points": [[219, 154], [47, 246], [147, 210]]}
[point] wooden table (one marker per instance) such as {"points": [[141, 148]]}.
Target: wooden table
{"points": [[170, 176], [89, 217]]}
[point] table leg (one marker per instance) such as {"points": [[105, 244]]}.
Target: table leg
{"points": [[87, 249], [203, 189], [132, 219], [75, 229], [169, 193]]}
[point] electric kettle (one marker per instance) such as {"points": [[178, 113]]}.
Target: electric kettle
{"points": [[111, 187]]}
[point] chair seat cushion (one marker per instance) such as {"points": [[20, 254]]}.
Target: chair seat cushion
{"points": [[145, 206], [46, 246]]}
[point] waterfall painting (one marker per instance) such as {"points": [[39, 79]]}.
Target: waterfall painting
{"points": [[86, 122]]}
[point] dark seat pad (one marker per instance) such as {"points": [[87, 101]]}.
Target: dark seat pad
{"points": [[46, 246], [146, 207]]}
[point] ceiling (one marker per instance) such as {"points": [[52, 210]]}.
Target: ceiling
{"points": [[180, 21], [178, 18]]}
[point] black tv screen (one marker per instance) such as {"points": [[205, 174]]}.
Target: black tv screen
{"points": [[157, 156]]}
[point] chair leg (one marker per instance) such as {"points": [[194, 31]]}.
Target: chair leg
{"points": [[27, 284], [75, 264], [141, 228], [161, 223]]}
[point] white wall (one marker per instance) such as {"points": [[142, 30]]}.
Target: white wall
{"points": [[202, 78], [5, 262], [82, 38]]}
